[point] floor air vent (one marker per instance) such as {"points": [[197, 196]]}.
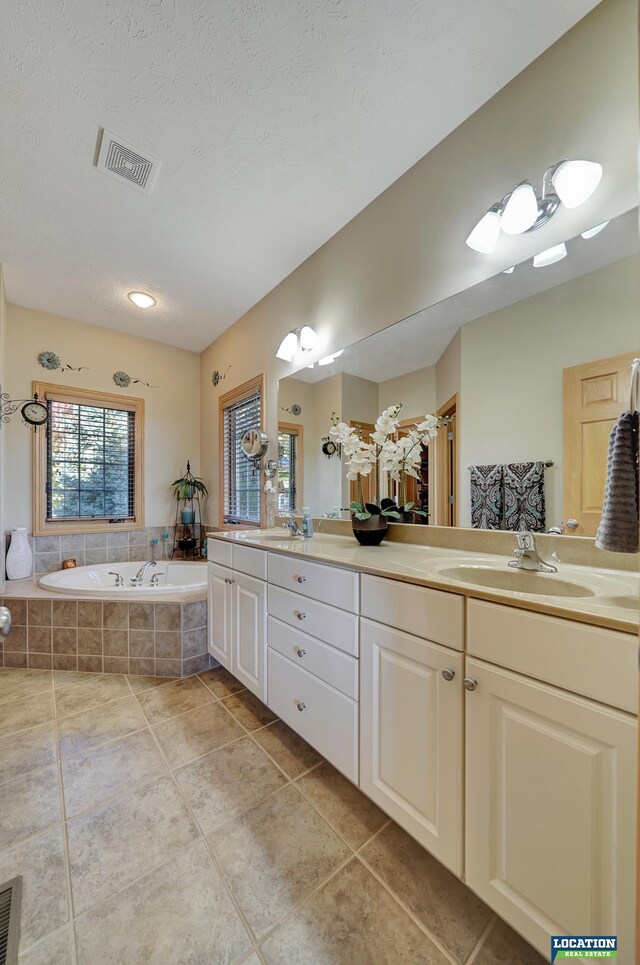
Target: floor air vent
{"points": [[10, 894], [124, 161]]}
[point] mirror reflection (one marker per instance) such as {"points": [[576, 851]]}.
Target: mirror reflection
{"points": [[531, 369]]}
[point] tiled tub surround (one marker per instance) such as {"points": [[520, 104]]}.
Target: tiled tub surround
{"points": [[157, 821], [160, 639]]}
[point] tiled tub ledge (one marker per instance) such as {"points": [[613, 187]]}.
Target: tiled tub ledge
{"points": [[52, 632]]}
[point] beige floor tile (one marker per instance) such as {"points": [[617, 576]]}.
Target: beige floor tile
{"points": [[111, 847], [53, 949], [90, 693], [288, 750], [221, 682], [93, 727], [176, 697], [352, 919], [180, 912], [26, 751], [14, 687], [27, 712], [113, 769], [67, 678], [436, 897], [40, 861], [30, 804], [502, 945], [275, 854], [247, 709], [228, 782], [252, 959], [340, 803], [197, 732], [139, 682]]}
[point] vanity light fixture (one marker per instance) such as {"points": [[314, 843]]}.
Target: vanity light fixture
{"points": [[509, 271], [550, 256], [567, 182], [141, 299], [592, 232], [328, 359], [298, 340]]}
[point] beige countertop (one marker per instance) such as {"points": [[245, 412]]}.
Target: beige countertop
{"points": [[611, 596]]}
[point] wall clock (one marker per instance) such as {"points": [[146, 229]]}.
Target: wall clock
{"points": [[34, 412]]}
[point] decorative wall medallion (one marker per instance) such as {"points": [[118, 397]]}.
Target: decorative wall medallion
{"points": [[123, 380], [51, 361], [217, 377], [293, 409]]}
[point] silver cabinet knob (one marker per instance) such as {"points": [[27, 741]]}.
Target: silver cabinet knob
{"points": [[448, 674], [300, 706], [300, 651], [469, 683], [301, 579], [5, 621], [572, 524], [301, 616]]}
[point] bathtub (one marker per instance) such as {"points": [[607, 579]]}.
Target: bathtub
{"points": [[174, 577]]}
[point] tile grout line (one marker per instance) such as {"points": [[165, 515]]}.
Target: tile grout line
{"points": [[475, 951]]}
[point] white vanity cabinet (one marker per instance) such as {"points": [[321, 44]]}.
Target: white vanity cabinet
{"points": [[550, 777], [237, 612]]}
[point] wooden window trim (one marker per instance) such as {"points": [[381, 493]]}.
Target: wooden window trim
{"points": [[295, 428], [238, 394], [65, 393], [450, 407]]}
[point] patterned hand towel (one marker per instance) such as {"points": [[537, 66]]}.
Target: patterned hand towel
{"points": [[524, 507], [618, 529], [487, 501]]}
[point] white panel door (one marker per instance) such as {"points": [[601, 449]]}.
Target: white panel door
{"points": [[550, 809], [219, 613], [249, 615], [411, 729]]}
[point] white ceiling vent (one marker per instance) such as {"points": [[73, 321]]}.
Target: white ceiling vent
{"points": [[124, 161]]}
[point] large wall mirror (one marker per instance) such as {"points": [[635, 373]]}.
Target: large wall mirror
{"points": [[532, 367]]}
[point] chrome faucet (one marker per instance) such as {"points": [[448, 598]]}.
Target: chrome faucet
{"points": [[139, 577], [119, 578], [527, 556], [293, 526]]}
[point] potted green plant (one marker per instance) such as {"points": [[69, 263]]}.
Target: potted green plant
{"points": [[187, 489]]}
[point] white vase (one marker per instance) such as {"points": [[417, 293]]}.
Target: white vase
{"points": [[19, 556]]}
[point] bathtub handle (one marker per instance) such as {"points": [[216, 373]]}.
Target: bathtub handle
{"points": [[119, 579], [156, 577]]}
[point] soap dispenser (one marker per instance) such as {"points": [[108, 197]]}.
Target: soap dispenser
{"points": [[307, 522]]}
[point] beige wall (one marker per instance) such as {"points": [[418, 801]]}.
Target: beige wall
{"points": [[512, 362], [448, 370], [172, 412], [406, 250], [416, 391], [3, 434]]}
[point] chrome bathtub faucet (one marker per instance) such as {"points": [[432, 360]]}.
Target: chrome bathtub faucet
{"points": [[527, 556], [119, 578], [139, 577]]}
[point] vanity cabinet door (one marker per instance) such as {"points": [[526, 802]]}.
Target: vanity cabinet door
{"points": [[249, 614], [411, 729], [219, 613], [550, 808]]}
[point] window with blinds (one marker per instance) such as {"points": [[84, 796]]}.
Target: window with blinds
{"points": [[242, 478], [287, 462], [91, 462]]}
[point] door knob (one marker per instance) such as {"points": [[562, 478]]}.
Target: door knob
{"points": [[5, 621], [469, 683], [572, 524], [448, 674]]}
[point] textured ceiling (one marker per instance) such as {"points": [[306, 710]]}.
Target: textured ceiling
{"points": [[276, 121]]}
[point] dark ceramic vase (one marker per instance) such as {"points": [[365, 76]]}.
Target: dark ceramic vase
{"points": [[370, 532]]}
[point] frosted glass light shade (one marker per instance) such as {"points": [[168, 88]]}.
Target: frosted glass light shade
{"points": [[592, 232], [288, 347], [550, 256], [575, 181], [520, 211], [484, 236], [328, 359], [308, 338]]}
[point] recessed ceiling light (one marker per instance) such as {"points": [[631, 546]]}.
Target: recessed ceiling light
{"points": [[141, 299]]}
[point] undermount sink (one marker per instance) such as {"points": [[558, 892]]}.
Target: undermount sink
{"points": [[276, 537], [519, 581]]}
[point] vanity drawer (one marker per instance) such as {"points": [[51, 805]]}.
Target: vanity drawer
{"points": [[327, 623], [251, 561], [336, 586], [321, 715], [333, 666], [426, 613], [219, 551], [592, 661]]}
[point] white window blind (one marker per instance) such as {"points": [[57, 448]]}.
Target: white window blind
{"points": [[242, 489], [90, 462], [288, 457]]}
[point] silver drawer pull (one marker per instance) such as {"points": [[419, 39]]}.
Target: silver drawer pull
{"points": [[300, 651], [301, 579], [301, 616], [448, 674], [300, 706], [470, 683]]}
